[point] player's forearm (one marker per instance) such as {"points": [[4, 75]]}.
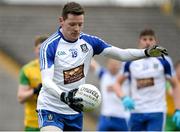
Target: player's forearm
{"points": [[120, 80], [24, 94], [124, 54], [48, 84], [51, 87], [116, 88]]}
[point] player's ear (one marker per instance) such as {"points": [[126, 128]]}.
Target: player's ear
{"points": [[61, 21]]}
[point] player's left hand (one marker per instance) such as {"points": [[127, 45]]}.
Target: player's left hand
{"points": [[156, 51], [70, 99], [176, 118]]}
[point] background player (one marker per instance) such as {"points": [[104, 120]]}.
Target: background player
{"points": [[29, 87], [65, 58], [148, 78], [113, 116]]}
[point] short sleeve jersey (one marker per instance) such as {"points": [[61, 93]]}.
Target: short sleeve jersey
{"points": [[148, 80]]}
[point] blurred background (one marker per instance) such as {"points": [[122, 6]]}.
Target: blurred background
{"points": [[116, 21]]}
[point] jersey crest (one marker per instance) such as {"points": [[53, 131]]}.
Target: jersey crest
{"points": [[84, 48]]}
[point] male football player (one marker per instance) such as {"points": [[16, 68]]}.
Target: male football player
{"points": [[65, 58]]}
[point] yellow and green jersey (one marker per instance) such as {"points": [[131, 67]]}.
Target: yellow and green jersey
{"points": [[30, 75]]}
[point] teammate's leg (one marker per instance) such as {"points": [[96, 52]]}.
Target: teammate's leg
{"points": [[103, 124], [137, 122], [156, 121], [118, 124]]}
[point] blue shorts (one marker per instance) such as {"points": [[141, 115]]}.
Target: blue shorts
{"points": [[112, 124], [62, 121], [147, 121]]}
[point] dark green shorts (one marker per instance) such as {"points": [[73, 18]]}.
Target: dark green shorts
{"points": [[170, 125], [31, 129]]}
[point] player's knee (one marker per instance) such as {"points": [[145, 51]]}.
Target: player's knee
{"points": [[50, 128]]}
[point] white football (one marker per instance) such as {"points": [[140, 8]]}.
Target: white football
{"points": [[91, 96]]}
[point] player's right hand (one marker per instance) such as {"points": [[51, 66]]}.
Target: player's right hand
{"points": [[156, 51], [128, 103], [70, 99]]}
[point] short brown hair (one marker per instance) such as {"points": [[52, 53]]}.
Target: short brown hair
{"points": [[72, 8], [147, 32], [40, 39]]}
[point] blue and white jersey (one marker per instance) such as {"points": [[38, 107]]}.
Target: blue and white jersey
{"points": [[71, 63], [111, 104], [148, 78]]}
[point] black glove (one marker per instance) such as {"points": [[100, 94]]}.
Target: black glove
{"points": [[155, 51], [73, 102], [37, 89]]}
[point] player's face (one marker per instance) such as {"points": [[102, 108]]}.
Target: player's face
{"points": [[36, 50], [113, 66], [72, 26], [146, 41]]}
